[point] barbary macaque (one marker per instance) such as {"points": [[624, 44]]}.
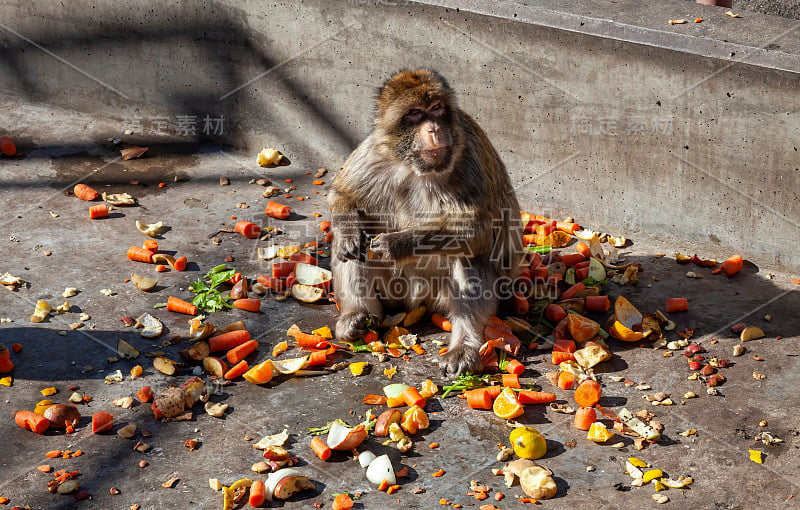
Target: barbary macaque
{"points": [[423, 213]]}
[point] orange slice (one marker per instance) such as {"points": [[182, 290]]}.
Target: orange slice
{"points": [[581, 328], [507, 405]]}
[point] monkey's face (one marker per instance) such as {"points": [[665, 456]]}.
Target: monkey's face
{"points": [[426, 139]]}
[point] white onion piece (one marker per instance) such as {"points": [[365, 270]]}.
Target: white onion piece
{"points": [[381, 469], [365, 458]]}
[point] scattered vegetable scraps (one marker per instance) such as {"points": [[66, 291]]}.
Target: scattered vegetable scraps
{"points": [[209, 298]]}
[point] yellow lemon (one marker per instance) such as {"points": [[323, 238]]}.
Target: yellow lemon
{"points": [[528, 443]]}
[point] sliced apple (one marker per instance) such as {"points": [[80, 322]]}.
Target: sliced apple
{"points": [[385, 419], [307, 293], [315, 276], [165, 365], [126, 350], [393, 320], [143, 282], [196, 352], [215, 366], [288, 486]]}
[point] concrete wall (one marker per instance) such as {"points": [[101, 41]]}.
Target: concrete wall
{"points": [[626, 125]]}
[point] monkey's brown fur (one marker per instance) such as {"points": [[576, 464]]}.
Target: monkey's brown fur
{"points": [[429, 181]]}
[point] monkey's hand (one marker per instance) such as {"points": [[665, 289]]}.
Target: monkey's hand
{"points": [[461, 359], [347, 244], [394, 246]]}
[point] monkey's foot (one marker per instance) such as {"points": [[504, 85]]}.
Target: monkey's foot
{"points": [[354, 325], [461, 359]]}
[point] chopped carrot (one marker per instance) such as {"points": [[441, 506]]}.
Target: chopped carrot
{"points": [[85, 192], [304, 340], [481, 398], [53, 454], [29, 420], [271, 282], [583, 249], [569, 228], [584, 418], [796, 281], [342, 501], [443, 351], [318, 358], [566, 380], [44, 468], [288, 181], [151, 245], [535, 397], [98, 211], [560, 357], [581, 273], [318, 182], [515, 367], [241, 351], [418, 349], [7, 146], [237, 370], [384, 485], [248, 304], [588, 393], [277, 210], [329, 237], [441, 322], [554, 313], [564, 346], [258, 493], [716, 271], [145, 394], [282, 269], [140, 254], [597, 303], [520, 303], [247, 229], [320, 448], [572, 259], [438, 473], [16, 347], [180, 306], [433, 445], [324, 226], [732, 265], [180, 264], [676, 305], [236, 278], [392, 489], [412, 397], [573, 291], [229, 340], [160, 268], [511, 381], [303, 257]]}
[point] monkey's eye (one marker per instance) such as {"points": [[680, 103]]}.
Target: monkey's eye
{"points": [[414, 112], [437, 108]]}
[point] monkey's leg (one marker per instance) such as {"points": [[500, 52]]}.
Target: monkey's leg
{"points": [[472, 301], [355, 290]]}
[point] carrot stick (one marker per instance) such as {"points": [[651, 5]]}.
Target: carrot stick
{"points": [[566, 380], [313, 341], [249, 304], [535, 397], [258, 493], [270, 282], [237, 370], [564, 346], [583, 249], [511, 381], [324, 226], [732, 265], [678, 304], [588, 393], [29, 420], [320, 448], [303, 257], [228, 340], [7, 147], [573, 291], [282, 269], [150, 245], [520, 303], [581, 273], [597, 303], [247, 229], [479, 398], [180, 306], [539, 272], [560, 357], [98, 211], [418, 349], [180, 264], [441, 322], [412, 397], [318, 358], [240, 352], [569, 228], [277, 210], [515, 367], [329, 237], [342, 502], [85, 192], [572, 259], [554, 313], [584, 418], [525, 277], [140, 254]]}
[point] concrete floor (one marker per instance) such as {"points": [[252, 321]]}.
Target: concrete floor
{"points": [[90, 255]]}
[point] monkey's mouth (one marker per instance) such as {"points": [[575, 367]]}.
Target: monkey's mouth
{"points": [[435, 157]]}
